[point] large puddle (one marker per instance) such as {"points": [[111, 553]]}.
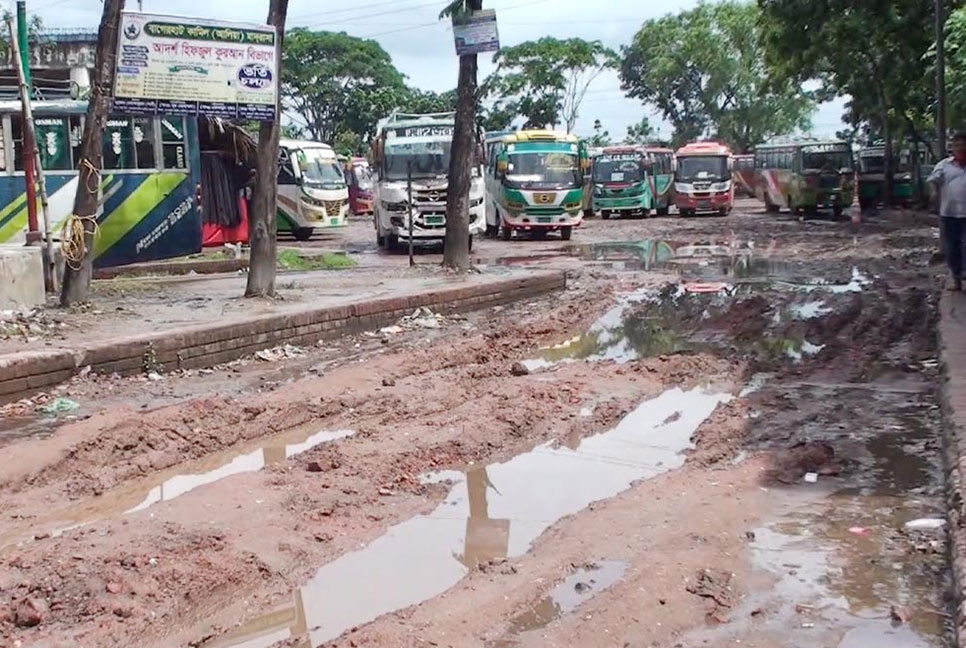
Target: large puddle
{"points": [[490, 512], [170, 484]]}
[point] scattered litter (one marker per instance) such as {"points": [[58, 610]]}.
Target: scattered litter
{"points": [[279, 353], [899, 615], [586, 411], [519, 369], [391, 330], [811, 477], [712, 287], [925, 524], [28, 325], [859, 531], [154, 376], [60, 405], [810, 310]]}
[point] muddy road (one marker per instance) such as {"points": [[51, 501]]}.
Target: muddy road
{"points": [[725, 431]]}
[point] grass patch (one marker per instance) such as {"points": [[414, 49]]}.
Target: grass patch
{"points": [[292, 260]]}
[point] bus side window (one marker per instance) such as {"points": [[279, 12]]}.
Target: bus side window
{"points": [[118, 144], [172, 143], [143, 135], [53, 142], [76, 134], [286, 176]]}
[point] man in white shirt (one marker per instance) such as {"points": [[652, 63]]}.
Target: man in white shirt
{"points": [[949, 180]]}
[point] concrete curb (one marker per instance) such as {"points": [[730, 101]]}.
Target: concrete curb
{"points": [[952, 354], [211, 344], [201, 266]]}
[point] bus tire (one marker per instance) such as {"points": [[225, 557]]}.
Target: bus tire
{"points": [[302, 233], [662, 211], [837, 211], [641, 214], [505, 232], [392, 242], [566, 233], [380, 239], [588, 213], [469, 244], [605, 215]]}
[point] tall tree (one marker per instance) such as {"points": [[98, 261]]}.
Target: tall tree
{"points": [[335, 82], [640, 132], [600, 137], [261, 271], [956, 68], [874, 51], [80, 227], [545, 81], [456, 245], [705, 72]]}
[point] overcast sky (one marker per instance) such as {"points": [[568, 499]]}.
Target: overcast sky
{"points": [[422, 47]]}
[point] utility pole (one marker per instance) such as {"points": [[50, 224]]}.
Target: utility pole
{"points": [[78, 233], [32, 156], [941, 78], [456, 246], [22, 39], [264, 235]]}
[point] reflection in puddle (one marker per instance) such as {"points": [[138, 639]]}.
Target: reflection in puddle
{"points": [[137, 497], [835, 587], [251, 462], [492, 512], [574, 591]]}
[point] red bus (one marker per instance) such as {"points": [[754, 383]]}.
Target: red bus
{"points": [[703, 179]]}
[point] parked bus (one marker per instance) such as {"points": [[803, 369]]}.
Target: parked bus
{"points": [[359, 176], [744, 175], [702, 179], [535, 184], [312, 191], [805, 176], [422, 143], [149, 183], [662, 178], [621, 183], [910, 171]]}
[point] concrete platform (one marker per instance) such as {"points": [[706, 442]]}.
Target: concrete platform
{"points": [[21, 277]]}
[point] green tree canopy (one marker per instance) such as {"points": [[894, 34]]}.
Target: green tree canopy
{"points": [[600, 137], [873, 51], [704, 70], [639, 133], [336, 83], [956, 68], [545, 81]]}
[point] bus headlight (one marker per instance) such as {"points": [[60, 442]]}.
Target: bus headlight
{"points": [[394, 206], [475, 202]]}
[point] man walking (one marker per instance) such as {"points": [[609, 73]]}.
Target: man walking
{"points": [[949, 181]]}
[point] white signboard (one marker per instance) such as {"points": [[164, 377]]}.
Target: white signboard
{"points": [[192, 66], [476, 33]]}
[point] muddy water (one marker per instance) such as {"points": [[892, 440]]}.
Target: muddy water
{"points": [[837, 558], [564, 599], [172, 484], [490, 512]]}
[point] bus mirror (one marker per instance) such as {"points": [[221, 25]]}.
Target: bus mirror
{"points": [[674, 165], [585, 164], [502, 166]]}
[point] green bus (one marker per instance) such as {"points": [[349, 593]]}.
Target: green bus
{"points": [[805, 176], [621, 182], [910, 170]]}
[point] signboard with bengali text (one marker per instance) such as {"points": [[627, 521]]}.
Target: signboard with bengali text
{"points": [[192, 66], [476, 33]]}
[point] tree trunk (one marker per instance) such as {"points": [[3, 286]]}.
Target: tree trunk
{"points": [[261, 271], [890, 180], [78, 272], [456, 247]]}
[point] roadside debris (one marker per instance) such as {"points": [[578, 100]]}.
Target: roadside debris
{"points": [[811, 478], [859, 531], [519, 369], [925, 524], [282, 352], [59, 405], [28, 325], [421, 318], [714, 585]]}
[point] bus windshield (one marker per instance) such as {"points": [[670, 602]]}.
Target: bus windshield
{"points": [[362, 177], [320, 169], [703, 167], [872, 163], [429, 159], [618, 169], [556, 170], [826, 158]]}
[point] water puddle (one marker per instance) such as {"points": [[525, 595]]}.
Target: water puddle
{"points": [[574, 591], [841, 562], [490, 512], [140, 496]]}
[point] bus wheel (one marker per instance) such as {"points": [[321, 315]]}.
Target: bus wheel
{"points": [[662, 211], [566, 233], [380, 239], [505, 232], [392, 242], [588, 213], [605, 215], [302, 233], [469, 245], [837, 211]]}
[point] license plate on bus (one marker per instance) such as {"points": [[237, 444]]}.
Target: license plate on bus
{"points": [[704, 205], [543, 219], [333, 221], [434, 220]]}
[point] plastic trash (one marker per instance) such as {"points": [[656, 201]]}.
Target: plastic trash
{"points": [[859, 531], [925, 524], [811, 477], [61, 405]]}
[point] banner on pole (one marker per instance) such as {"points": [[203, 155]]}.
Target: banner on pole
{"points": [[476, 33], [192, 66]]}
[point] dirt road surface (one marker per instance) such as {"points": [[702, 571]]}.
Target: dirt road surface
{"points": [[724, 432]]}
